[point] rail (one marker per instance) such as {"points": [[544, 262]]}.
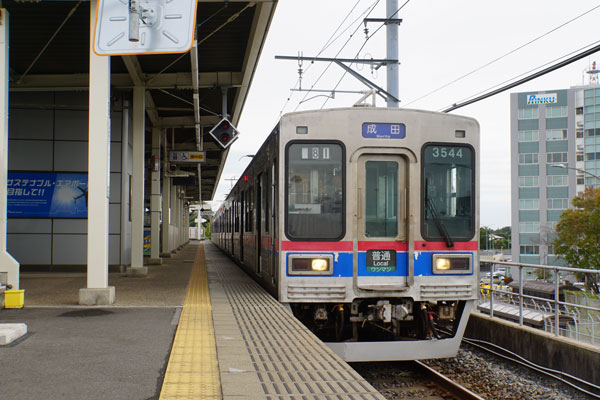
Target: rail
{"points": [[580, 315]]}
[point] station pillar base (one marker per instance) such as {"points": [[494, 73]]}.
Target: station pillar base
{"points": [[136, 271], [97, 297]]}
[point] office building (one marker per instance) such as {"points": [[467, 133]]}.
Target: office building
{"points": [[555, 154]]}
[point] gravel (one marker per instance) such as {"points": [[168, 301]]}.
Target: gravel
{"points": [[495, 378], [489, 376]]}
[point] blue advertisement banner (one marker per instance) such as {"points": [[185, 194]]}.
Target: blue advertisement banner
{"points": [[375, 130], [47, 195]]}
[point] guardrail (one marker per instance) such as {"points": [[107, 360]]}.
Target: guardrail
{"points": [[576, 315]]}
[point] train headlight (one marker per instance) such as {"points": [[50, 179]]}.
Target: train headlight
{"points": [[310, 264], [452, 264], [319, 264]]}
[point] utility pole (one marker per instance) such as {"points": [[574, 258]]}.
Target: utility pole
{"points": [[392, 53]]}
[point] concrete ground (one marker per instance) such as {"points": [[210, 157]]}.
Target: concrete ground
{"points": [[100, 352]]}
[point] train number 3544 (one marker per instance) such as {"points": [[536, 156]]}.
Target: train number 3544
{"points": [[447, 152]]}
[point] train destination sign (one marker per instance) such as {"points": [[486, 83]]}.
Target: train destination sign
{"points": [[381, 260], [376, 130]]}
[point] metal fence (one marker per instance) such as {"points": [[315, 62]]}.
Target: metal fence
{"points": [[570, 313]]}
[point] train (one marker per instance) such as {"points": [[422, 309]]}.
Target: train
{"points": [[363, 222]]}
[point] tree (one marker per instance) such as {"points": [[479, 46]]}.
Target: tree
{"points": [[578, 232]]}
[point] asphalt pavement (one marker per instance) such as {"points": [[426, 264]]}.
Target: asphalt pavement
{"points": [[102, 352]]}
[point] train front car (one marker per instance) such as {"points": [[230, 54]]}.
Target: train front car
{"points": [[379, 229]]}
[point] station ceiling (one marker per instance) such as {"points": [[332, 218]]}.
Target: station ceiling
{"points": [[49, 51]]}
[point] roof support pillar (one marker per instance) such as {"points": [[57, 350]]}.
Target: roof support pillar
{"points": [[137, 198], [9, 267], [98, 291], [166, 201], [155, 198]]}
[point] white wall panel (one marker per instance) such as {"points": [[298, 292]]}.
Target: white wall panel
{"points": [[115, 157], [28, 225], [114, 249], [70, 249], [71, 125], [114, 218], [71, 156], [29, 155], [115, 188], [70, 226], [30, 124], [30, 248]]}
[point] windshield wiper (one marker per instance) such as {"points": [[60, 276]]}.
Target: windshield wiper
{"points": [[436, 217]]}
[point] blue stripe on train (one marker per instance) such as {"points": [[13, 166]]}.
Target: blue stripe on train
{"points": [[343, 266]]}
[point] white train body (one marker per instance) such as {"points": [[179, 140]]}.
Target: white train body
{"points": [[365, 221]]}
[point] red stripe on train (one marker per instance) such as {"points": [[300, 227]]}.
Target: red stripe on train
{"points": [[382, 245], [436, 246], [315, 246]]}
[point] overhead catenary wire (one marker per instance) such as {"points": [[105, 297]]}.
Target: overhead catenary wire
{"points": [[363, 45], [554, 67], [328, 43], [502, 56]]}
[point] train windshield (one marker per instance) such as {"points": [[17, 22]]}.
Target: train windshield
{"points": [[315, 191], [448, 193]]}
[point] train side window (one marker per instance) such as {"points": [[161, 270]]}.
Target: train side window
{"points": [[448, 192], [315, 190]]}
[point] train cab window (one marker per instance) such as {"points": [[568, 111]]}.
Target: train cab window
{"points": [[315, 191], [381, 199], [448, 202]]}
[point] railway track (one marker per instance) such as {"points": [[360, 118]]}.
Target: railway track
{"points": [[413, 380]]}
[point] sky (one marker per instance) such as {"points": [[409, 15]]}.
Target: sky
{"points": [[439, 42]]}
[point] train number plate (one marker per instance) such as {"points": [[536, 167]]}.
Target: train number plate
{"points": [[381, 260]]}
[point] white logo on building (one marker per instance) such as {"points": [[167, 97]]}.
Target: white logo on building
{"points": [[543, 98]]}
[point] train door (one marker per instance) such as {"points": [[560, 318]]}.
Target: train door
{"points": [[258, 206], [382, 262], [274, 230], [242, 224]]}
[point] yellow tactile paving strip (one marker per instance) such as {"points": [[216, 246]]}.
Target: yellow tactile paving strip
{"points": [[193, 372]]}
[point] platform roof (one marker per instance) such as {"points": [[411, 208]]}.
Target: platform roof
{"points": [[49, 51]]}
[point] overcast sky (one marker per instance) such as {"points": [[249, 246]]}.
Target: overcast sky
{"points": [[439, 41]]}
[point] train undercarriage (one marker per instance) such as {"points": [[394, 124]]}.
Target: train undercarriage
{"points": [[398, 319]]}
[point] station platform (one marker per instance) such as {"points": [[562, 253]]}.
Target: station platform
{"points": [[196, 327]]}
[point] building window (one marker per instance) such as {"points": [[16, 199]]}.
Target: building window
{"points": [[529, 250], [528, 113], [529, 136], [557, 180], [556, 134], [529, 227], [528, 158], [529, 204], [579, 133], [556, 158], [579, 156], [558, 204], [592, 156], [528, 181], [550, 249], [579, 110], [556, 111], [580, 180]]}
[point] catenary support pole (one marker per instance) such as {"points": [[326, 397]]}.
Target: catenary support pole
{"points": [[392, 53], [137, 198], [9, 267], [98, 291]]}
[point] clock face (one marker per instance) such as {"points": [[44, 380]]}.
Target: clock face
{"points": [[164, 26]]}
